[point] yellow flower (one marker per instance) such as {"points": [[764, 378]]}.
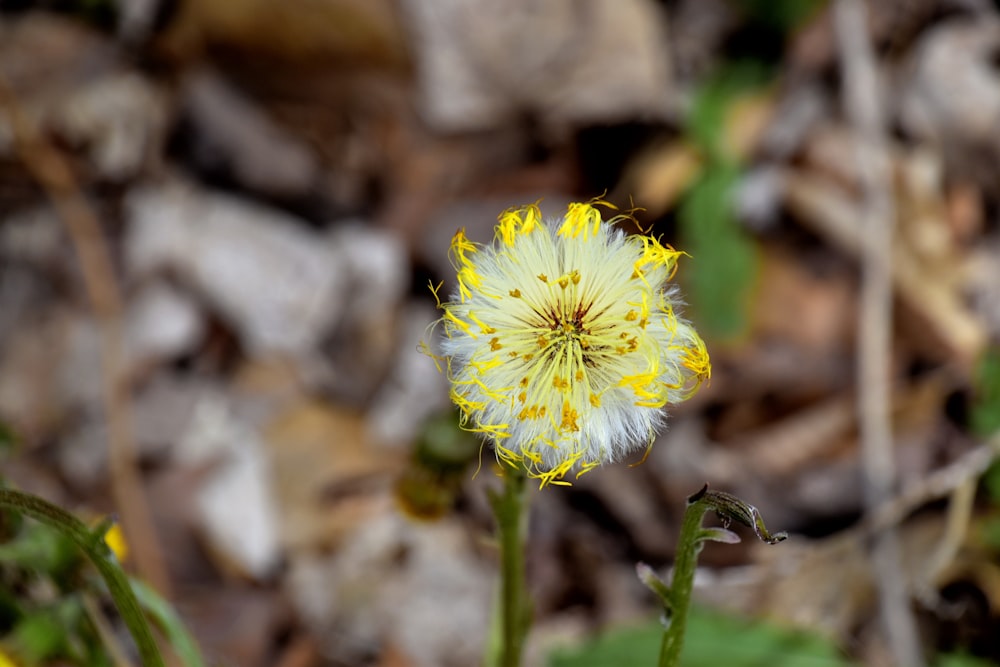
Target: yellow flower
{"points": [[562, 344], [115, 539]]}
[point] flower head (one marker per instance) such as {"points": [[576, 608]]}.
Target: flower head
{"points": [[562, 344]]}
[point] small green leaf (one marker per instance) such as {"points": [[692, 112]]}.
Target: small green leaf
{"points": [[653, 582], [716, 534], [38, 636]]}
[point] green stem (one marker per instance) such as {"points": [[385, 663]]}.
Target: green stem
{"points": [[677, 598], [515, 608], [92, 544], [682, 582]]}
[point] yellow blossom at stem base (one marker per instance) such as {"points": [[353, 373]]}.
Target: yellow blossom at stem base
{"points": [[562, 341], [115, 539]]}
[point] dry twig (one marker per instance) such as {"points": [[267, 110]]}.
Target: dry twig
{"points": [[861, 99], [940, 483], [50, 168]]}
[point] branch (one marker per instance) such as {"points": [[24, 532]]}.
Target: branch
{"points": [[863, 107], [50, 168]]}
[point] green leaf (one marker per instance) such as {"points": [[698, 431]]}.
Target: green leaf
{"points": [[7, 439], [40, 549], [989, 532], [653, 582], [38, 636], [985, 413], [722, 273], [962, 660], [170, 623], [991, 481], [713, 639], [713, 101]]}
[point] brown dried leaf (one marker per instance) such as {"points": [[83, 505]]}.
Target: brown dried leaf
{"points": [[328, 476]]}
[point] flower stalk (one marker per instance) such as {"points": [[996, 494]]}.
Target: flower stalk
{"points": [[676, 598], [509, 508], [563, 344]]}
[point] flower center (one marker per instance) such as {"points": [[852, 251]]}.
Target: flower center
{"points": [[568, 325]]}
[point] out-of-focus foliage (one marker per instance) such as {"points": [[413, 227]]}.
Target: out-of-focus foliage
{"points": [[722, 277], [781, 15], [48, 627], [7, 439], [961, 660], [441, 459], [985, 417], [712, 640], [53, 603], [984, 420]]}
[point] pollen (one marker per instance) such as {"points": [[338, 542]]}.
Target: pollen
{"points": [[569, 417], [562, 380]]}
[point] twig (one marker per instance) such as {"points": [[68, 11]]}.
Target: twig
{"points": [[938, 484], [51, 170], [862, 104], [956, 528]]}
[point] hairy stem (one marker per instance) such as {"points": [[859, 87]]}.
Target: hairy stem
{"points": [[683, 581], [515, 608], [677, 599]]}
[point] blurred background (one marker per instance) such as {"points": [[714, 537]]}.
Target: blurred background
{"points": [[218, 222]]}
